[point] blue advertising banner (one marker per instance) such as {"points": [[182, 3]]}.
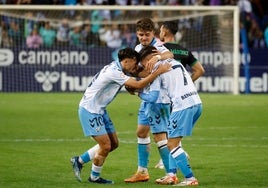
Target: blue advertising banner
{"points": [[52, 70], [71, 69], [258, 71]]}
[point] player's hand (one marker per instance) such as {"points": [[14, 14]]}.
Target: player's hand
{"points": [[162, 68], [130, 90], [150, 64]]}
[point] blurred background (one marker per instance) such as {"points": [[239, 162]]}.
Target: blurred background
{"points": [[58, 45]]}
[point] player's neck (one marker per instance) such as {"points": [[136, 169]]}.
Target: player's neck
{"points": [[169, 39]]}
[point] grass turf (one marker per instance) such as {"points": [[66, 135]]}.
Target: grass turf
{"points": [[40, 132]]}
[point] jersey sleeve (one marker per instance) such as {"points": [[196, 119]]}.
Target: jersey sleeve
{"points": [[152, 96], [152, 92]]}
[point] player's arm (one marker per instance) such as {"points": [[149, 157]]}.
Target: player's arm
{"points": [[133, 83], [157, 56], [152, 96], [197, 71]]}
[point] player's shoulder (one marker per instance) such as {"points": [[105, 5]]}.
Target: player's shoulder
{"points": [[175, 45], [112, 67], [158, 44]]}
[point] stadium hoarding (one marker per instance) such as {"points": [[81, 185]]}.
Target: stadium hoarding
{"points": [[50, 70], [70, 69]]}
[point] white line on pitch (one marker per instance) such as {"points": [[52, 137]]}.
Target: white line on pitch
{"points": [[133, 141]]}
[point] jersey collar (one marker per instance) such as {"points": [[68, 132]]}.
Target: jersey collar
{"points": [[119, 65], [152, 42]]}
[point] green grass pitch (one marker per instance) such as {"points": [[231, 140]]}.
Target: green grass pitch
{"points": [[40, 132]]}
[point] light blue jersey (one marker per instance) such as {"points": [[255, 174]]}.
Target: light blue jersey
{"points": [[185, 100], [180, 87], [155, 114], [100, 92], [103, 88], [156, 83]]}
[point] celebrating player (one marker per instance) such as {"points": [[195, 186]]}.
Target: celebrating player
{"points": [[150, 113], [93, 116], [186, 109], [167, 34]]}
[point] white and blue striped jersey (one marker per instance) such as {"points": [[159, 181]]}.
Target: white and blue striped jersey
{"points": [[180, 87], [103, 88], [155, 85]]}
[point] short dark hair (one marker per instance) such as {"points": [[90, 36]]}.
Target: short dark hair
{"points": [[172, 26], [128, 53], [145, 24], [147, 50]]}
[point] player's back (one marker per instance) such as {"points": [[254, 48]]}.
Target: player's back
{"points": [[180, 87]]}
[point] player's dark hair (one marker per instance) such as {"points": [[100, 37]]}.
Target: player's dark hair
{"points": [[128, 53], [147, 50], [145, 24], [172, 26]]}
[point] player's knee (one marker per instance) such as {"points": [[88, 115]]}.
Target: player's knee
{"points": [[105, 149], [142, 132], [170, 146], [159, 137], [173, 143]]}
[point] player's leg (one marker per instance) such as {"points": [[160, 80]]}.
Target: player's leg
{"points": [[144, 143], [99, 159], [110, 129], [160, 164], [78, 161], [187, 119], [107, 143], [144, 147], [159, 114], [170, 178], [178, 155], [94, 129], [88, 155]]}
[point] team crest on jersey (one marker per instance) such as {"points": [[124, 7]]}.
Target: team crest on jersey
{"points": [[122, 75], [98, 128]]}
